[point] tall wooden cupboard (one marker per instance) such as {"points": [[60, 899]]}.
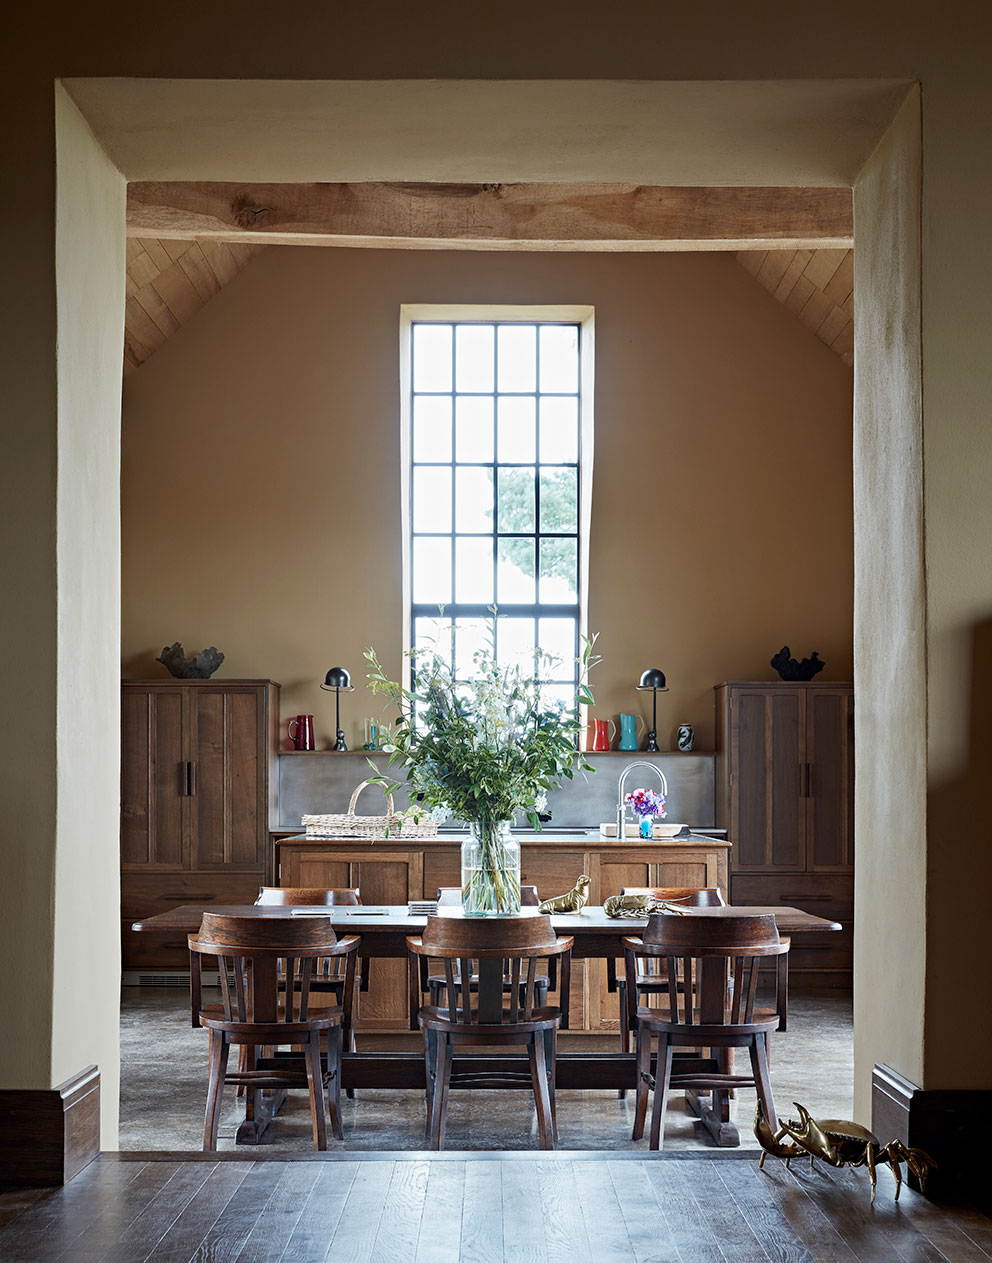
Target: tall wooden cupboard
{"points": [[785, 794], [198, 800]]}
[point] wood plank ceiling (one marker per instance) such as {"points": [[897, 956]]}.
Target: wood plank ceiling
{"points": [[815, 285], [168, 282]]}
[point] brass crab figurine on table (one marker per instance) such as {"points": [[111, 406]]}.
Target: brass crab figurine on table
{"points": [[841, 1144], [625, 906]]}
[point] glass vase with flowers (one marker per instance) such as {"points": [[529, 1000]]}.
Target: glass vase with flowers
{"points": [[646, 804], [483, 750]]}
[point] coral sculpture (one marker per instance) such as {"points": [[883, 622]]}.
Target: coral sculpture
{"points": [[201, 667], [789, 669]]}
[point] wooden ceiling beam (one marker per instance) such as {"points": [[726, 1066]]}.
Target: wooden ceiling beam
{"points": [[606, 217]]}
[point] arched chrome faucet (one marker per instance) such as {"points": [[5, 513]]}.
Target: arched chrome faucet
{"points": [[621, 806]]}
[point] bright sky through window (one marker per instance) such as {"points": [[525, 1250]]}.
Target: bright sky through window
{"points": [[495, 429]]}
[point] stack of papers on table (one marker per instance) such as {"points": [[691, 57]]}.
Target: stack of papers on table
{"points": [[422, 907]]}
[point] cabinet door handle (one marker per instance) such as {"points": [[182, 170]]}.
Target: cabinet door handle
{"points": [[795, 900], [192, 777], [186, 767], [809, 779]]}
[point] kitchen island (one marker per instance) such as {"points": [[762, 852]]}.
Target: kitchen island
{"points": [[393, 871]]}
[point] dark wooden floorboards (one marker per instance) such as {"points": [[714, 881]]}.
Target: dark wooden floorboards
{"points": [[473, 1209]]}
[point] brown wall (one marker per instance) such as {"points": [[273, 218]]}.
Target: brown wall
{"points": [[261, 474]]}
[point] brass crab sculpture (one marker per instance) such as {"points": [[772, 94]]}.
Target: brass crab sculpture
{"points": [[622, 906], [841, 1144]]}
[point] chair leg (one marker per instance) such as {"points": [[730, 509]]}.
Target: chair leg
{"points": [[643, 1073], [782, 991], [430, 1071], [352, 1047], [315, 1083], [551, 1057], [219, 1049], [335, 1048], [442, 1079], [625, 1040], [662, 1074], [539, 1076], [762, 1081]]}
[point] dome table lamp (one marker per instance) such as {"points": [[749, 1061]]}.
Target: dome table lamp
{"points": [[338, 681], [653, 681]]}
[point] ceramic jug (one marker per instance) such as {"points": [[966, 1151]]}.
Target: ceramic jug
{"points": [[628, 731], [302, 737], [599, 736]]}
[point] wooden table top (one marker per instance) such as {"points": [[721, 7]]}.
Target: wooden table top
{"points": [[369, 918]]}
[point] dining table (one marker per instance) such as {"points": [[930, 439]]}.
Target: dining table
{"points": [[384, 930]]}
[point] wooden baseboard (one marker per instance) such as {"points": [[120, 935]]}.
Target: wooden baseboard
{"points": [[48, 1136], [952, 1126]]}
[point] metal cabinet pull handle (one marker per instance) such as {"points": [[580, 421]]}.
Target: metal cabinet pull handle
{"points": [[186, 780], [796, 899], [192, 777]]}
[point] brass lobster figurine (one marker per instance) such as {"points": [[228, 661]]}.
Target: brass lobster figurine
{"points": [[841, 1144], [623, 906], [574, 901]]}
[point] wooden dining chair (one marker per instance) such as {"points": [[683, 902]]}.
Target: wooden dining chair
{"points": [[698, 1009], [434, 984], [493, 1013], [330, 972], [650, 971], [256, 1013]]}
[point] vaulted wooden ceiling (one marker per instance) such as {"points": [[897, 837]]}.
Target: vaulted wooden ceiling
{"points": [[168, 282], [816, 285]]}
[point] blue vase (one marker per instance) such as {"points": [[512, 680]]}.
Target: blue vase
{"points": [[628, 732], [645, 826]]}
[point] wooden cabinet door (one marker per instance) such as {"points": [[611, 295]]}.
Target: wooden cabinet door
{"points": [[768, 755], [154, 807], [386, 877], [830, 801], [228, 754]]}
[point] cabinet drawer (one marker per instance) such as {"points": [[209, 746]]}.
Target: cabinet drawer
{"points": [[824, 895], [144, 894], [832, 950]]}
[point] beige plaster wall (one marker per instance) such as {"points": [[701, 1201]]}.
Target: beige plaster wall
{"points": [[945, 47], [90, 268], [261, 474], [890, 644]]}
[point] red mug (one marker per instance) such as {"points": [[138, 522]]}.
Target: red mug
{"points": [[302, 738]]}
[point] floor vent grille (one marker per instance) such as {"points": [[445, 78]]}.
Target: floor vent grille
{"points": [[139, 978]]}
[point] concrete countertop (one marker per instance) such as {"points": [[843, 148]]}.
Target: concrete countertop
{"points": [[583, 837]]}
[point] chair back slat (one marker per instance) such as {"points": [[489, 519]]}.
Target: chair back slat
{"points": [[752, 988], [530, 990], [514, 989], [465, 971], [450, 990], [672, 972], [224, 965], [738, 991]]}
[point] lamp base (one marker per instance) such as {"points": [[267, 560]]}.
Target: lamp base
{"points": [[652, 745], [340, 743]]}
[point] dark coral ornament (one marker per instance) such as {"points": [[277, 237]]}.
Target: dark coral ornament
{"points": [[201, 667], [791, 670]]}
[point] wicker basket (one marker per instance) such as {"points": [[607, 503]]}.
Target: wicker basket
{"points": [[348, 825]]}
